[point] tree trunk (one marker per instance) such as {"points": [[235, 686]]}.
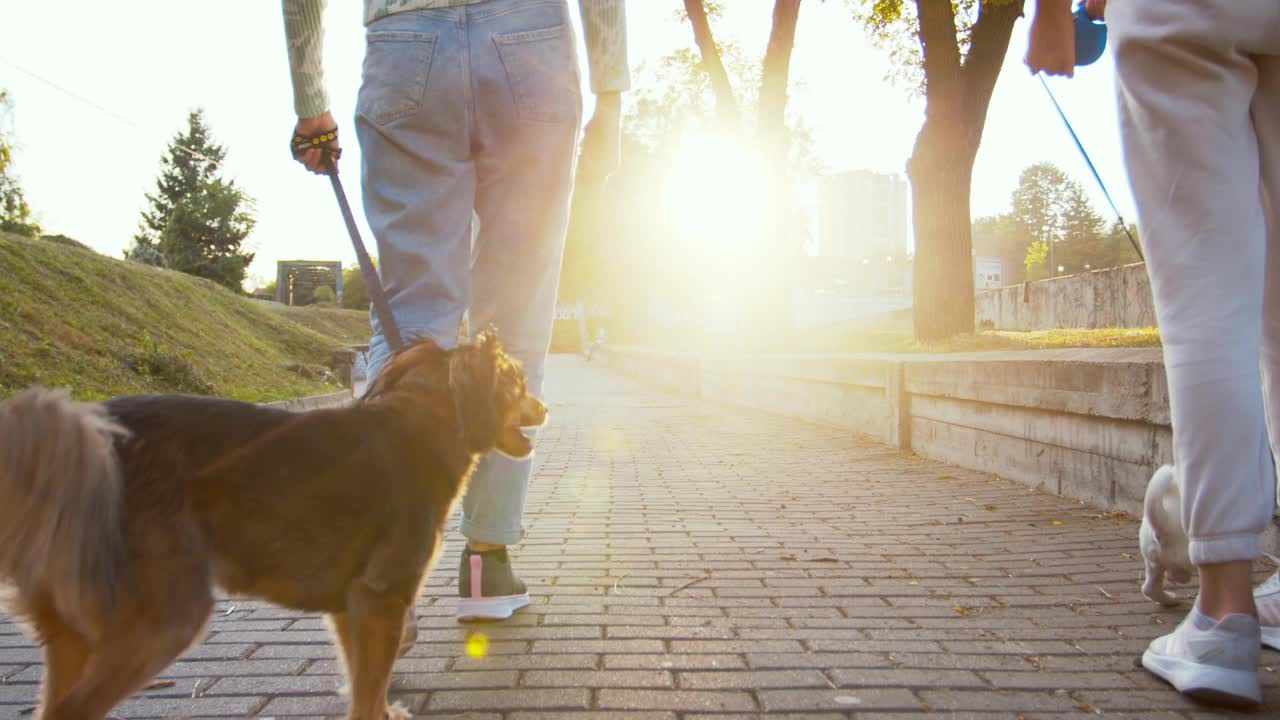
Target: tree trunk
{"points": [[726, 103], [957, 95], [941, 172], [771, 133], [777, 70]]}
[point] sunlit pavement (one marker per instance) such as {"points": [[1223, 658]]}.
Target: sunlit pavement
{"points": [[692, 561]]}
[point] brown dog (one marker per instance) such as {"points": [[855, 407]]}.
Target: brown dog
{"points": [[119, 519]]}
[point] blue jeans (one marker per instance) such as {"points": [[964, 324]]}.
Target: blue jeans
{"points": [[472, 108]]}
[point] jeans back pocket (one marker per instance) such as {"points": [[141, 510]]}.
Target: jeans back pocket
{"points": [[542, 70], [396, 67]]}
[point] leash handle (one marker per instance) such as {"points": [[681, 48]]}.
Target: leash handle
{"points": [[300, 144], [381, 309]]}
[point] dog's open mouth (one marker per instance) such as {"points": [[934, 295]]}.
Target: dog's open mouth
{"points": [[515, 444], [517, 439]]}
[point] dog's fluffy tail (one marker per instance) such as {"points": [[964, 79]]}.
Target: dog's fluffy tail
{"points": [[61, 539], [1162, 501]]}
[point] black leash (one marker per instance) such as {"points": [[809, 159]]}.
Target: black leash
{"points": [[387, 321]]}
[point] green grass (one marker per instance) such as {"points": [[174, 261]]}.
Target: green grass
{"points": [[104, 327], [349, 326], [1058, 339], [836, 340]]}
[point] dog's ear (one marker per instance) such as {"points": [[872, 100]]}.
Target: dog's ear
{"points": [[491, 399], [473, 371], [406, 359]]}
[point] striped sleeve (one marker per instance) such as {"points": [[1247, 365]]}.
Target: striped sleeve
{"points": [[304, 33], [604, 25]]}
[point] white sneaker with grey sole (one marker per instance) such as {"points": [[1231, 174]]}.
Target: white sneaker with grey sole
{"points": [[1214, 662]]}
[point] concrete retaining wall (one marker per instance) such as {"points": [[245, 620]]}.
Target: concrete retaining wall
{"points": [[1088, 424], [1119, 297], [338, 399], [1092, 425]]}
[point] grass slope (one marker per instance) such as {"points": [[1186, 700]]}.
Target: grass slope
{"points": [[103, 327], [351, 327]]}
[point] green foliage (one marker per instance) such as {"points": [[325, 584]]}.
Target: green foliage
{"points": [[680, 97], [197, 222], [323, 295], [15, 214], [204, 234], [999, 236], [6, 139], [713, 8], [1115, 248], [677, 93], [1037, 261], [1050, 206], [895, 27], [355, 294]]}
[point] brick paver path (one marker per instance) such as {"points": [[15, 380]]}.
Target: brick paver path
{"points": [[692, 561]]}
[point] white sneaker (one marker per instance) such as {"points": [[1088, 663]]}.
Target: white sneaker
{"points": [[1267, 597], [1212, 662]]}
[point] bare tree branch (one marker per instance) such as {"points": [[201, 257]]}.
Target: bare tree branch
{"points": [[988, 47], [726, 103]]}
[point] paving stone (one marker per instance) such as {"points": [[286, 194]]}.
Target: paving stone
{"points": [[567, 698], [677, 700], [843, 699], [675, 662], [600, 679], [274, 685], [690, 561], [759, 679], [186, 707]]}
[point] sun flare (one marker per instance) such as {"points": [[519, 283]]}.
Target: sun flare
{"points": [[717, 191], [477, 645]]}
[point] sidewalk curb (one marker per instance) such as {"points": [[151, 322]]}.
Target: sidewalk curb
{"points": [[342, 398]]}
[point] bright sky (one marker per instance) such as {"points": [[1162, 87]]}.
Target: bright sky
{"points": [[146, 63]]}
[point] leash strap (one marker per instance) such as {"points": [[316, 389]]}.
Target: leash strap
{"points": [[386, 321], [1089, 162], [302, 143], [377, 296]]}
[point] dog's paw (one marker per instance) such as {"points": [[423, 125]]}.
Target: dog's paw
{"points": [[398, 712], [1164, 597]]}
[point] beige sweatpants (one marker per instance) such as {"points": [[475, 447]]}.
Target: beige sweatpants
{"points": [[1199, 95]]}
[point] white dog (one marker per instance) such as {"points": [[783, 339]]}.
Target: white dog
{"points": [[1162, 539]]}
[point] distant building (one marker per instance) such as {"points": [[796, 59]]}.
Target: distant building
{"points": [[988, 273], [297, 280], [860, 213], [1002, 249]]}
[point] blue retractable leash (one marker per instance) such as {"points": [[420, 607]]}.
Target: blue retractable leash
{"points": [[1091, 41]]}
